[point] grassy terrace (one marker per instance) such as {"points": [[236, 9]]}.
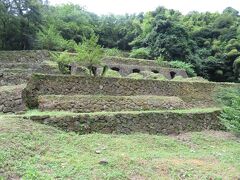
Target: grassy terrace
{"points": [[37, 112], [34, 151], [11, 88]]}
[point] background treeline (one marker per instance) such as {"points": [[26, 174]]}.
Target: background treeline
{"points": [[209, 41]]}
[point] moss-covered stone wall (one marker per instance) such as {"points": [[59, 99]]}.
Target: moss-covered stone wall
{"points": [[17, 66], [13, 78], [125, 70], [11, 99], [90, 103], [197, 94], [24, 56], [126, 123], [131, 61]]}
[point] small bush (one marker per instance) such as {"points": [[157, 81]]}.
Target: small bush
{"points": [[63, 60], [193, 79], [236, 68], [178, 78], [70, 46], [112, 73], [89, 53], [115, 52], [50, 39], [151, 75], [135, 76], [161, 62], [197, 79], [230, 116], [141, 53], [182, 65]]}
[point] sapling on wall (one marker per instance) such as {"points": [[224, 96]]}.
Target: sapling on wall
{"points": [[88, 54]]}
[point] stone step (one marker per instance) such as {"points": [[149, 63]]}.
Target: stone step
{"points": [[31, 56], [97, 103], [16, 65], [153, 122], [31, 67], [15, 77], [198, 94], [35, 67], [11, 99]]}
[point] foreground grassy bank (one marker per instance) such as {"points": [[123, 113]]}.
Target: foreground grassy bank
{"points": [[30, 150]]}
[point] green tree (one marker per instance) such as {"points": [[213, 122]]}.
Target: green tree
{"points": [[90, 54]]}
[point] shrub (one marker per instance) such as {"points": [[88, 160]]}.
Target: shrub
{"points": [[70, 46], [135, 76], [141, 53], [63, 60], [178, 78], [90, 53], [230, 116], [236, 68], [151, 75], [161, 62], [197, 79], [50, 39], [112, 73], [233, 54], [193, 79], [186, 66], [115, 52]]}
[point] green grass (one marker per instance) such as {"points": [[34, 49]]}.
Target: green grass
{"points": [[76, 98], [36, 112], [11, 88], [29, 150]]}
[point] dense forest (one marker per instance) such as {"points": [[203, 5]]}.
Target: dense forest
{"points": [[209, 41]]}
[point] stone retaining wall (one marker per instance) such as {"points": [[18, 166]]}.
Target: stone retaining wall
{"points": [[126, 123], [13, 78], [197, 94], [11, 99], [125, 70], [24, 56], [131, 61], [83, 104]]}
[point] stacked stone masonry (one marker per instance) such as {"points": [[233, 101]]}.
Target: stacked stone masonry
{"points": [[195, 94], [131, 105], [16, 67], [168, 73], [126, 66], [11, 99], [150, 122], [90, 103]]}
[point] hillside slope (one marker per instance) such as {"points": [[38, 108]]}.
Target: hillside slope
{"points": [[34, 151]]}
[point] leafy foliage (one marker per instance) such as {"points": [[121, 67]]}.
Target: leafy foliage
{"points": [[230, 116], [135, 76], [112, 73], [50, 38], [209, 41], [141, 53], [182, 65], [88, 52], [63, 60], [19, 23], [115, 52]]}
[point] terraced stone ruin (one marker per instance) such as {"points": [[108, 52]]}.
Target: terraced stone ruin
{"points": [[103, 104]]}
